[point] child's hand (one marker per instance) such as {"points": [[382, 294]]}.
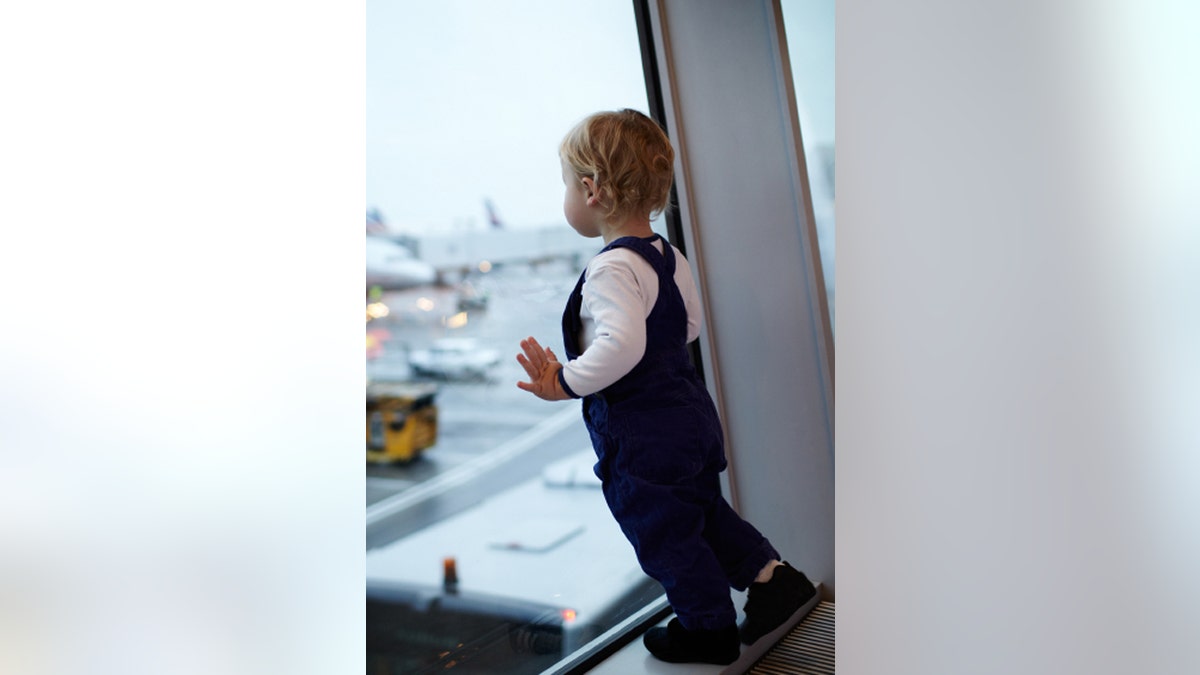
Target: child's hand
{"points": [[542, 366]]}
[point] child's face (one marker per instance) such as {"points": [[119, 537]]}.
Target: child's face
{"points": [[579, 203]]}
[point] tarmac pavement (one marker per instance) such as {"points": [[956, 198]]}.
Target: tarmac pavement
{"points": [[476, 416]]}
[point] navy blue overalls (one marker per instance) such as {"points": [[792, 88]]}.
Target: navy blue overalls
{"points": [[660, 451]]}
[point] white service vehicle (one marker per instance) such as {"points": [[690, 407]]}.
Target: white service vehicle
{"points": [[539, 571], [454, 359]]}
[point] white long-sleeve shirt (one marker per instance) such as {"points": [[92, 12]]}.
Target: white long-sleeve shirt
{"points": [[619, 290]]}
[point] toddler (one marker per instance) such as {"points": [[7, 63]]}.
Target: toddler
{"points": [[655, 430]]}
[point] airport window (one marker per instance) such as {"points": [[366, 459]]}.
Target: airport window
{"points": [[809, 26], [489, 543]]}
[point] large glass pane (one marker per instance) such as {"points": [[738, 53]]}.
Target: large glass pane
{"points": [[490, 547], [809, 25]]}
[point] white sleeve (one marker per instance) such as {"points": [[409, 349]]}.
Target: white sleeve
{"points": [[616, 301]]}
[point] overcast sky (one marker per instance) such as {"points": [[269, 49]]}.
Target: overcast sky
{"points": [[467, 100]]}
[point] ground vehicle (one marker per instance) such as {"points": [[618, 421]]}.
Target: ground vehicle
{"points": [[413, 629], [470, 297], [401, 420], [542, 569], [454, 358]]}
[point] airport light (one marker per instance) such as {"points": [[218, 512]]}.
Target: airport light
{"points": [[376, 310]]}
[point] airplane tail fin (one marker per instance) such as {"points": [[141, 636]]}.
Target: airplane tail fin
{"points": [[375, 224], [493, 217]]}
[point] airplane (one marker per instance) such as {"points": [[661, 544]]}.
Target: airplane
{"points": [[455, 255], [391, 266]]}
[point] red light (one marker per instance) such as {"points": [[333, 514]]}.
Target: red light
{"points": [[449, 575], [568, 615]]}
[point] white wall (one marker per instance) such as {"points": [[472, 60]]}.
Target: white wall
{"points": [[1014, 356]]}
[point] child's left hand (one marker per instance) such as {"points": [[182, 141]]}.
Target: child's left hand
{"points": [[542, 366]]}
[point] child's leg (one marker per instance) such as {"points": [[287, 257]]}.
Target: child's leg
{"points": [[742, 551], [665, 525], [776, 590]]}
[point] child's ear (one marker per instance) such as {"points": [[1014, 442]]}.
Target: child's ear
{"points": [[590, 191]]}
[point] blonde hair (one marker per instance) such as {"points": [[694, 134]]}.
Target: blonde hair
{"points": [[628, 156]]}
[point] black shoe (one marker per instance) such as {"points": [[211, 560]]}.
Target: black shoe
{"points": [[676, 644], [771, 603]]}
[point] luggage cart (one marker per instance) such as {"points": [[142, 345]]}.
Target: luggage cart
{"points": [[401, 420]]}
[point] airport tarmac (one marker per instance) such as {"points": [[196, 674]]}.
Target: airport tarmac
{"points": [[496, 474], [491, 434]]}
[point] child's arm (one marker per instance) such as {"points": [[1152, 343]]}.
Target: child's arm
{"points": [[542, 366], [614, 311]]}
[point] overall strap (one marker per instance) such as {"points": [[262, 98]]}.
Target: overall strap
{"points": [[663, 262]]}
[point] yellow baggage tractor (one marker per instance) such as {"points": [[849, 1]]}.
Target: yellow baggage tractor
{"points": [[401, 420]]}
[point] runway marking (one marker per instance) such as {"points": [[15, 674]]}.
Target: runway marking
{"points": [[465, 472], [385, 481], [452, 457]]}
